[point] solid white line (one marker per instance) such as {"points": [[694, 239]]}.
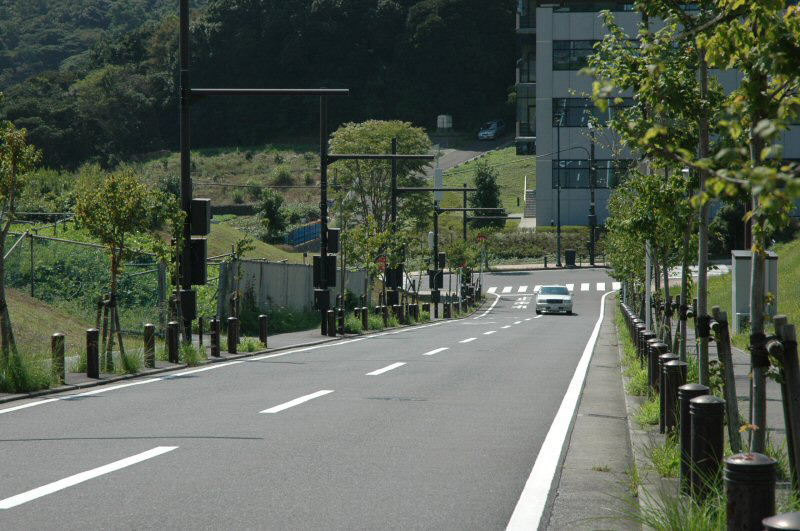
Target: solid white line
{"points": [[570, 287], [601, 286], [507, 289], [616, 285], [438, 350], [490, 332], [585, 286], [490, 307], [296, 401], [530, 507], [469, 339], [491, 290], [522, 289], [386, 369], [71, 481]]}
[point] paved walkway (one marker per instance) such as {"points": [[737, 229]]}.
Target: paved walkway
{"points": [[592, 488]]}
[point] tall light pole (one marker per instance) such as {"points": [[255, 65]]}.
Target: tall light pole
{"points": [[558, 189], [592, 184]]}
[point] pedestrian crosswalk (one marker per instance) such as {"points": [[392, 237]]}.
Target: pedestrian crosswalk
{"points": [[584, 286]]}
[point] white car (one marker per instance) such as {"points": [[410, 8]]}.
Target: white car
{"points": [[554, 299]]}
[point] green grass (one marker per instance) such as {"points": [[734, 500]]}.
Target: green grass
{"points": [[191, 355], [648, 413], [25, 372], [638, 383], [666, 457], [223, 235], [512, 170], [250, 344], [352, 325], [375, 322]]}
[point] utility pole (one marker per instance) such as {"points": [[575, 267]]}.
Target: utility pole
{"points": [[186, 177], [322, 293], [435, 294], [558, 192], [465, 213]]}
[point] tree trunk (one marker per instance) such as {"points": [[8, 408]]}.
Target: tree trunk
{"points": [[684, 292], [667, 336], [5, 324], [702, 258]]}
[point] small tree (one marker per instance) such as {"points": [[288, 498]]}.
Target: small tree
{"points": [[486, 196], [112, 210], [17, 158], [272, 213]]}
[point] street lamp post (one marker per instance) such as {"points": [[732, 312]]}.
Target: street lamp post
{"points": [[592, 184], [558, 190]]}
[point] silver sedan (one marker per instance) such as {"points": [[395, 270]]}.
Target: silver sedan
{"points": [[553, 299]]}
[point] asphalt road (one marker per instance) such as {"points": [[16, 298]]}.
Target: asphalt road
{"points": [[450, 158], [432, 427]]}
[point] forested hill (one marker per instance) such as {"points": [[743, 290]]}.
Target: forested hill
{"points": [[40, 35], [407, 59]]}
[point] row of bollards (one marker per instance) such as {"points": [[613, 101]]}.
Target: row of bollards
{"points": [[697, 418]]}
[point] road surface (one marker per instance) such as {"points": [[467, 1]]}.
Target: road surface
{"points": [[431, 427]]}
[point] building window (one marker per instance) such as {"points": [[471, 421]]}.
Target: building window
{"points": [[576, 112], [592, 7], [575, 173], [571, 55]]}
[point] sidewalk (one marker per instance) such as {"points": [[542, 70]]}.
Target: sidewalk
{"points": [[592, 491]]}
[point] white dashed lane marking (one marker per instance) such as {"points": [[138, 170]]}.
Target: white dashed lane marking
{"points": [[601, 286], [297, 401], [438, 350], [570, 287], [522, 289], [492, 289], [386, 369], [507, 289], [469, 339], [490, 332], [584, 286]]}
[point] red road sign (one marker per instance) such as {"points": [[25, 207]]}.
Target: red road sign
{"points": [[381, 261], [481, 238]]}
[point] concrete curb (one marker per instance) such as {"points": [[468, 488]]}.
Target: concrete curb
{"points": [[152, 372]]}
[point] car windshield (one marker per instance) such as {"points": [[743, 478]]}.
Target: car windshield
{"points": [[554, 290], [488, 125]]}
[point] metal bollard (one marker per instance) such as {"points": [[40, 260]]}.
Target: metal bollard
{"points": [[385, 315], [637, 336], [750, 489], [93, 353], [646, 336], [674, 377], [340, 320], [663, 359], [655, 349], [685, 395], [790, 521], [446, 311], [365, 318], [233, 334], [149, 346], [215, 337], [331, 321], [263, 322], [200, 332], [707, 414], [57, 354], [173, 330]]}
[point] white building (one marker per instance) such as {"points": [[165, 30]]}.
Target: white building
{"points": [[553, 107]]}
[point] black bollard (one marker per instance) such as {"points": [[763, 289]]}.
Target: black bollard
{"points": [[655, 349], [707, 414], [637, 337], [93, 353], [685, 394], [215, 337], [57, 356], [149, 346], [172, 342], [331, 321], [263, 329], [340, 320], [674, 377], [750, 489], [663, 359], [646, 336], [782, 522], [365, 318], [385, 315], [233, 333], [200, 332]]}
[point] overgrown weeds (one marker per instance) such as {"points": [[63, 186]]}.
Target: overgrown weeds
{"points": [[23, 373], [190, 355], [352, 325], [648, 413], [250, 344], [666, 457]]}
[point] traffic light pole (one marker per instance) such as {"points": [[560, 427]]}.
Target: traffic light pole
{"points": [[435, 293]]}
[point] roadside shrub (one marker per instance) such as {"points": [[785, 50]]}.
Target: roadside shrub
{"points": [[375, 322], [648, 413], [250, 344], [281, 176], [23, 373], [352, 325], [190, 355], [424, 316]]}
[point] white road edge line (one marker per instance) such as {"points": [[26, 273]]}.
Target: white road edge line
{"points": [[296, 401], [490, 307], [436, 351], [71, 481], [386, 369], [468, 340], [536, 317], [531, 505]]}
